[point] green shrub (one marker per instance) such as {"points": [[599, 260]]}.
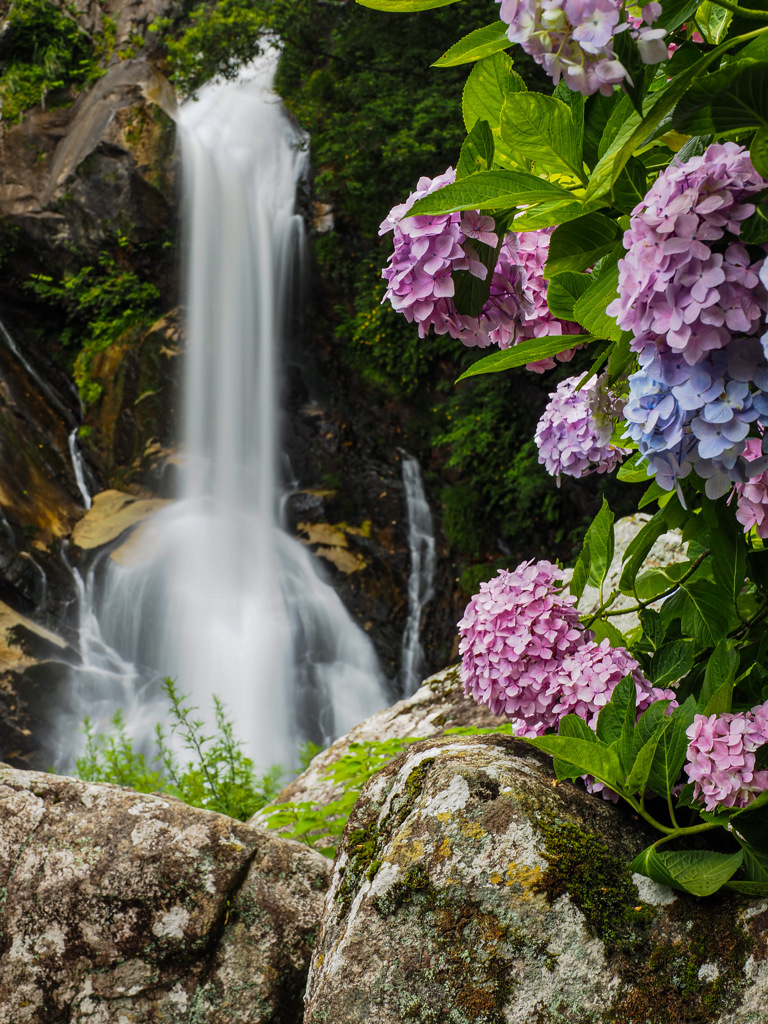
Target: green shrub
{"points": [[218, 778], [49, 51], [98, 303], [217, 40]]}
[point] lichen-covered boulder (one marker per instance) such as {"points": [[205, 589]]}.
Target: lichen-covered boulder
{"points": [[470, 887], [120, 908]]}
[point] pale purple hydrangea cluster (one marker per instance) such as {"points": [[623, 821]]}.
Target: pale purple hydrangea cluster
{"points": [[574, 39], [694, 303], [428, 250], [574, 434], [721, 760], [527, 657]]}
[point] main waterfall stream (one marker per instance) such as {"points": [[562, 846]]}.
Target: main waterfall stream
{"points": [[211, 591]]}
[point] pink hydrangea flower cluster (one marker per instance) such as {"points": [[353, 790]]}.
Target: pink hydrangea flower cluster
{"points": [[752, 496], [427, 252], [527, 657], [721, 757], [429, 249], [574, 39], [589, 675], [685, 284], [574, 434], [515, 632]]}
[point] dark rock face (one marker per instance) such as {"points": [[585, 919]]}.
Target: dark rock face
{"points": [[468, 887], [122, 907], [345, 453]]}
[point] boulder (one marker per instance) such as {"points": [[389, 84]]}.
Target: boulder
{"points": [[121, 908], [471, 887]]}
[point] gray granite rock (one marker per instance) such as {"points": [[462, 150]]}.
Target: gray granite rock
{"points": [[121, 908], [470, 887]]}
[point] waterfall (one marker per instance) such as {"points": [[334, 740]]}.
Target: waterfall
{"points": [[78, 465], [212, 592], [421, 543]]}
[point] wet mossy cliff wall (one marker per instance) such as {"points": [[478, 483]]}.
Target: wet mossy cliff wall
{"points": [[89, 295]]}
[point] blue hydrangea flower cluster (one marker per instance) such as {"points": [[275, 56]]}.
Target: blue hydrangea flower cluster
{"points": [[695, 302]]}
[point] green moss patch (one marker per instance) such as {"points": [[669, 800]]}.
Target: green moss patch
{"points": [[658, 952]]}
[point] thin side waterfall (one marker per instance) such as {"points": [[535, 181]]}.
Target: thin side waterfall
{"points": [[211, 591], [421, 582], [78, 465]]}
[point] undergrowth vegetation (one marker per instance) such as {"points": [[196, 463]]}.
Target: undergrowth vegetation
{"points": [[98, 303], [220, 777], [49, 51]]}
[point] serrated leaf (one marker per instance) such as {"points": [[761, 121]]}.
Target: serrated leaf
{"points": [[590, 308], [490, 81], [605, 630], [758, 151], [650, 722], [529, 351], [549, 214], [639, 548], [634, 470], [748, 888], [730, 99], [478, 44], [634, 134], [672, 661], [471, 292], [653, 627], [597, 114], [712, 21], [675, 12], [578, 244], [576, 102], [583, 757], [563, 291], [717, 689], [671, 748], [620, 358], [699, 872], [630, 187], [654, 493], [541, 127], [488, 190], [729, 549], [628, 53], [613, 718], [477, 151], [572, 725], [580, 572], [706, 614], [600, 540], [637, 779]]}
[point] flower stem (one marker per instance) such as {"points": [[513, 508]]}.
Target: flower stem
{"points": [[665, 593]]}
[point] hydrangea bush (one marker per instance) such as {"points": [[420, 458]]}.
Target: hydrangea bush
{"points": [[620, 222]]}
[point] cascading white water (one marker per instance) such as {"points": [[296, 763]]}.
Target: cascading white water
{"points": [[78, 466], [421, 543], [215, 594]]}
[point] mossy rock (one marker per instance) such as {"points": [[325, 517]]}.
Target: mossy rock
{"points": [[470, 887]]}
